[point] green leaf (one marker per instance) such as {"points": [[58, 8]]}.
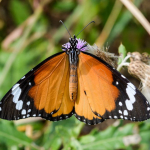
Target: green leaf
{"points": [[122, 52], [73, 144], [63, 133], [111, 138], [19, 11], [11, 136]]}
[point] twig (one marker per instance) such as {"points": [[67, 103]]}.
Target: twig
{"points": [[137, 14], [124, 63], [109, 24]]}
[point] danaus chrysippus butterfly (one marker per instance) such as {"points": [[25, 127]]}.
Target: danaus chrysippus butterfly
{"points": [[74, 82]]}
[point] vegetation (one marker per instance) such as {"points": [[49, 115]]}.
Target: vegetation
{"points": [[30, 32]]}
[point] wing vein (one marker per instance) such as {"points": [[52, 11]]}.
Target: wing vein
{"points": [[52, 71], [59, 87]]}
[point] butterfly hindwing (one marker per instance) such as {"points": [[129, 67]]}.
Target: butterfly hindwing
{"points": [[40, 92], [82, 108], [109, 94]]}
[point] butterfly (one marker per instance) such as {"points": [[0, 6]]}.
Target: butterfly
{"points": [[74, 82]]}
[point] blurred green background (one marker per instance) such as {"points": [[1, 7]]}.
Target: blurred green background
{"points": [[30, 32]]}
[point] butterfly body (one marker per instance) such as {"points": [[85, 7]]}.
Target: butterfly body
{"points": [[74, 82], [73, 53]]}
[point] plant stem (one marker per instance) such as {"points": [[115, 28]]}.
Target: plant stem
{"points": [[137, 14], [109, 24]]}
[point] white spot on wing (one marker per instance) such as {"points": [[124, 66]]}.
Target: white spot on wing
{"points": [[34, 115], [125, 112], [19, 105], [130, 84], [129, 105], [16, 91], [0, 109], [123, 76], [120, 103], [29, 110], [28, 103], [23, 77], [130, 92], [23, 112], [120, 111], [15, 86]]}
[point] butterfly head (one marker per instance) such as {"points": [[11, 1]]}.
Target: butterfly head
{"points": [[73, 48]]}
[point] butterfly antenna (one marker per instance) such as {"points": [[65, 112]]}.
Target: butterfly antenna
{"points": [[85, 27], [65, 27]]}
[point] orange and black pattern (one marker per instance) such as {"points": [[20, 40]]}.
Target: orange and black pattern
{"points": [[40, 93], [109, 94], [102, 92]]}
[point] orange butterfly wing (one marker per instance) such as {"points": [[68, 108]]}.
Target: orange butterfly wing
{"points": [[82, 107], [104, 93], [42, 92]]}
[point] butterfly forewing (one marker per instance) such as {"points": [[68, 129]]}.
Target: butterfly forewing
{"points": [[109, 94], [41, 92]]}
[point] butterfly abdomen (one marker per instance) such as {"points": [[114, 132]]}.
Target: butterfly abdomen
{"points": [[73, 82]]}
